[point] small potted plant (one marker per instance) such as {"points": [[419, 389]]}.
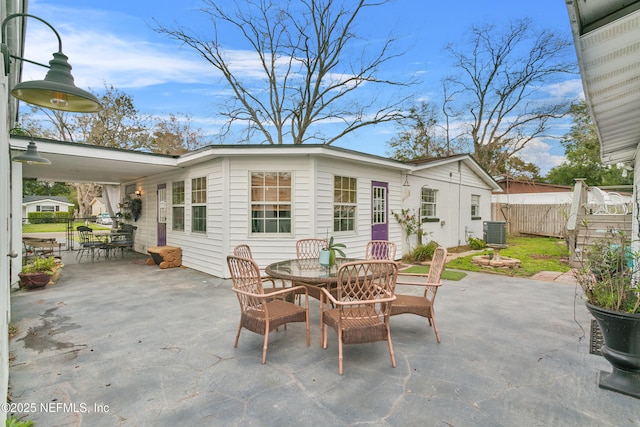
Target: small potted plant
{"points": [[38, 273], [328, 254], [609, 277]]}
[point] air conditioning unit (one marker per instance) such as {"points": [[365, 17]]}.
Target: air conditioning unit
{"points": [[495, 232]]}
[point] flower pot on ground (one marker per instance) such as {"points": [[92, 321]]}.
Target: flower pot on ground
{"points": [[608, 277], [39, 273]]}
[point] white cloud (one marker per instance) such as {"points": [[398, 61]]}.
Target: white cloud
{"points": [[538, 152]]}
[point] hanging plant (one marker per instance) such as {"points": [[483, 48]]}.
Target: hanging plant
{"points": [[136, 208]]}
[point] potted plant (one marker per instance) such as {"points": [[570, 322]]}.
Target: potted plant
{"points": [[609, 279], [328, 254], [135, 206], [39, 273]]}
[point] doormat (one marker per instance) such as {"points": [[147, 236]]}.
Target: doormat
{"points": [[596, 340]]}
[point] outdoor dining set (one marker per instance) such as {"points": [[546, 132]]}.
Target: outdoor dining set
{"points": [[93, 244], [357, 296]]}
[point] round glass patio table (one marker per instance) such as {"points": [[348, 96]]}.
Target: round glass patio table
{"points": [[307, 272]]}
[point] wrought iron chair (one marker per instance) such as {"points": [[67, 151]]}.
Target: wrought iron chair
{"points": [[381, 249], [88, 243], [422, 305], [362, 305], [123, 240], [261, 312]]}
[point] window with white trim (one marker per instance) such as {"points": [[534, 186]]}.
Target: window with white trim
{"points": [[475, 206], [271, 202], [199, 205], [428, 200], [177, 205], [344, 203]]}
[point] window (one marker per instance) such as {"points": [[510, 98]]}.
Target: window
{"points": [[270, 202], [428, 201], [344, 203], [199, 205], [177, 205], [475, 206], [45, 208]]}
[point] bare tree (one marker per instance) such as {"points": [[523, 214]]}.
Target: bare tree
{"points": [[309, 70], [499, 93]]}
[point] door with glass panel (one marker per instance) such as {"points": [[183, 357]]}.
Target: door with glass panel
{"points": [[162, 214], [379, 213]]}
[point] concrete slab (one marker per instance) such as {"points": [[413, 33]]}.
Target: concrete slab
{"points": [[122, 343]]}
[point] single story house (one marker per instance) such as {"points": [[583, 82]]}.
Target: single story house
{"points": [[44, 204], [210, 200], [97, 206]]}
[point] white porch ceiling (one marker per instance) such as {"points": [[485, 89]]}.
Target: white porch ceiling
{"points": [[607, 40], [72, 162]]}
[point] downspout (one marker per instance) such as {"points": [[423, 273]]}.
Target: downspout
{"points": [[459, 200]]}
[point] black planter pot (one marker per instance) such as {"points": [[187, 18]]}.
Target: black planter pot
{"points": [[621, 334]]}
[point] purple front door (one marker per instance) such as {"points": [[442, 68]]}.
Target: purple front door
{"points": [[162, 214], [379, 214]]}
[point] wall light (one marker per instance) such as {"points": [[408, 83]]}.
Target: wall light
{"points": [[138, 193], [31, 156], [57, 91]]}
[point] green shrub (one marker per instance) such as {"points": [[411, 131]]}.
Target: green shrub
{"points": [[48, 217], [423, 252], [16, 422], [476, 243]]}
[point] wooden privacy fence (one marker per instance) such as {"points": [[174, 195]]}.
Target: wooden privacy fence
{"points": [[540, 220]]}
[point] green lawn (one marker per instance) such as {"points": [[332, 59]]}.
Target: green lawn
{"points": [[60, 227], [424, 269], [535, 254]]}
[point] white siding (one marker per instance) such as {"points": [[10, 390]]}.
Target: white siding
{"points": [[228, 202], [456, 183]]}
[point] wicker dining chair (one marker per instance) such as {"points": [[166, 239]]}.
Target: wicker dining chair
{"points": [[359, 311], [381, 249], [422, 305], [261, 312], [310, 248], [244, 251]]}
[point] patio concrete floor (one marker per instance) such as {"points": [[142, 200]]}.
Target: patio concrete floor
{"points": [[121, 343]]}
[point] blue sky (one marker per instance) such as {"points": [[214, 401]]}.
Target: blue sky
{"points": [[113, 42]]}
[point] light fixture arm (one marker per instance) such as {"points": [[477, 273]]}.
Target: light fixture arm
{"points": [[57, 91], [5, 50]]}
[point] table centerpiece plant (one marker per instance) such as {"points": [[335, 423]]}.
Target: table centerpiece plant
{"points": [[609, 277], [331, 248]]}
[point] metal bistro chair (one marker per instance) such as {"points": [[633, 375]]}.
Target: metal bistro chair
{"points": [[362, 302], [381, 249], [261, 312], [88, 243], [124, 240], [422, 305]]}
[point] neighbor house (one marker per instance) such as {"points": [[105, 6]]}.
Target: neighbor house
{"points": [[44, 204], [268, 196]]}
